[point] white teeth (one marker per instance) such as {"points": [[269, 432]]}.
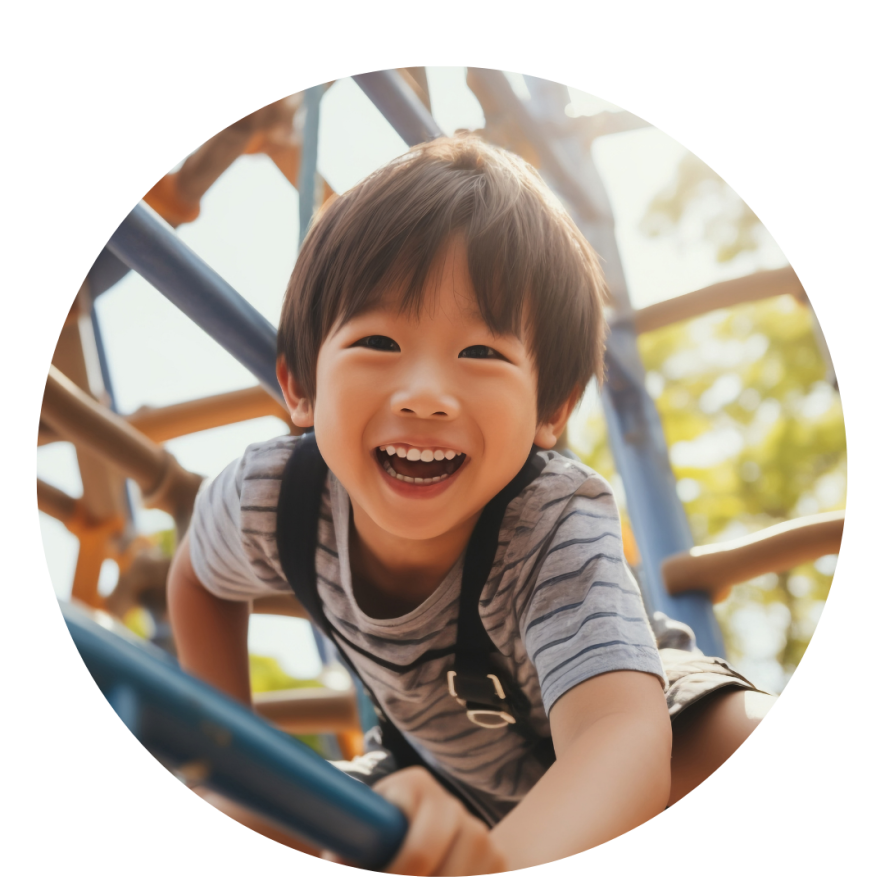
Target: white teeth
{"points": [[413, 453]]}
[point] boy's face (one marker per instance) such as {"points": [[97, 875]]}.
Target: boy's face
{"points": [[424, 420]]}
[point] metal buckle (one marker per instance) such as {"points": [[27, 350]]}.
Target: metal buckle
{"points": [[502, 718]]}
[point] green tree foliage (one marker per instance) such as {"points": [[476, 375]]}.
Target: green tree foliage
{"points": [[753, 425], [727, 222], [756, 436], [165, 542], [266, 674]]}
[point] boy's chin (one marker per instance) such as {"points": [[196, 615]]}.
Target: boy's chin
{"points": [[410, 526], [409, 530]]}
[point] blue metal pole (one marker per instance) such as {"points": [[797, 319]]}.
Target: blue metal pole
{"points": [[185, 722], [149, 246], [307, 183], [656, 513], [634, 426], [307, 173], [556, 165], [399, 104], [107, 270], [102, 358], [109, 389]]}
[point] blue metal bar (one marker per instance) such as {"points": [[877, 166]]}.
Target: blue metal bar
{"points": [[183, 721], [307, 172], [399, 104], [555, 165], [634, 427], [656, 513], [102, 358], [106, 272], [149, 246], [109, 389]]}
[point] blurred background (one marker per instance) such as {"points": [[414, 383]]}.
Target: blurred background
{"points": [[747, 396]]}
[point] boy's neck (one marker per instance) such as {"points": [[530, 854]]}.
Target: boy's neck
{"points": [[392, 576]]}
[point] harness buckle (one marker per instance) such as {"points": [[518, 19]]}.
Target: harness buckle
{"points": [[500, 719], [482, 713]]}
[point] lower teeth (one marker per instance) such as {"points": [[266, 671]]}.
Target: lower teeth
{"points": [[413, 479]]}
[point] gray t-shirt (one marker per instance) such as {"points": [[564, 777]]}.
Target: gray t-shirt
{"points": [[560, 605]]}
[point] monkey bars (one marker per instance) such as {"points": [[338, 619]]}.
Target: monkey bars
{"points": [[676, 577], [212, 740]]}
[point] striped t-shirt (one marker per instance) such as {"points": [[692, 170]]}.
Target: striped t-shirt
{"points": [[560, 606]]}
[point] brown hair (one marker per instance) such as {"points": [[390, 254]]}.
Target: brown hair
{"points": [[531, 267]]}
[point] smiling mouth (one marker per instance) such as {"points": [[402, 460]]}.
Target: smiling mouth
{"points": [[421, 470]]}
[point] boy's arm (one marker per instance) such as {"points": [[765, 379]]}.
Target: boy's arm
{"points": [[210, 633], [613, 737]]}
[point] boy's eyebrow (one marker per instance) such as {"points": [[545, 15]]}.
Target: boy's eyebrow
{"points": [[398, 303]]}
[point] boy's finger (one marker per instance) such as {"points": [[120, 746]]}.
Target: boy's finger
{"points": [[325, 854], [434, 821], [472, 853]]}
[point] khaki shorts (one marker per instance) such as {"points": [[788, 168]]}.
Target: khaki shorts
{"points": [[692, 676]]}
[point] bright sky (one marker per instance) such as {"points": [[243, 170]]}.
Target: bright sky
{"points": [[248, 231]]}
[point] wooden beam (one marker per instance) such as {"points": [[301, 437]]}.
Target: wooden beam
{"points": [[169, 422], [56, 503], [714, 568], [764, 284], [309, 710], [76, 355], [76, 416]]}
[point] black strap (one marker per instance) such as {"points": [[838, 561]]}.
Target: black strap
{"points": [[298, 509], [474, 679], [301, 490]]}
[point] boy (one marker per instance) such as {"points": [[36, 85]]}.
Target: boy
{"points": [[441, 322]]}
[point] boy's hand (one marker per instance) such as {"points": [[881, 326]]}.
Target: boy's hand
{"points": [[444, 839]]}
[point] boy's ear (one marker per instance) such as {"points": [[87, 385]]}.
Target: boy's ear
{"points": [[299, 406], [551, 430]]}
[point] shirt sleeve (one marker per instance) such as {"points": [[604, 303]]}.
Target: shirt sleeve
{"points": [[586, 615], [232, 557]]}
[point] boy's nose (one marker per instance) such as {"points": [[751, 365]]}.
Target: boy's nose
{"points": [[425, 397]]}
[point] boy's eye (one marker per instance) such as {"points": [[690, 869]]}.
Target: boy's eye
{"points": [[480, 352], [377, 342]]}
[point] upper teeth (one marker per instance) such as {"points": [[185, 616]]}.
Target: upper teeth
{"points": [[414, 454]]}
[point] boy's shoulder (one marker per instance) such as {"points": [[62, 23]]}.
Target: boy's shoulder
{"points": [[233, 527], [268, 457], [563, 478], [564, 501], [569, 468], [260, 469]]}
